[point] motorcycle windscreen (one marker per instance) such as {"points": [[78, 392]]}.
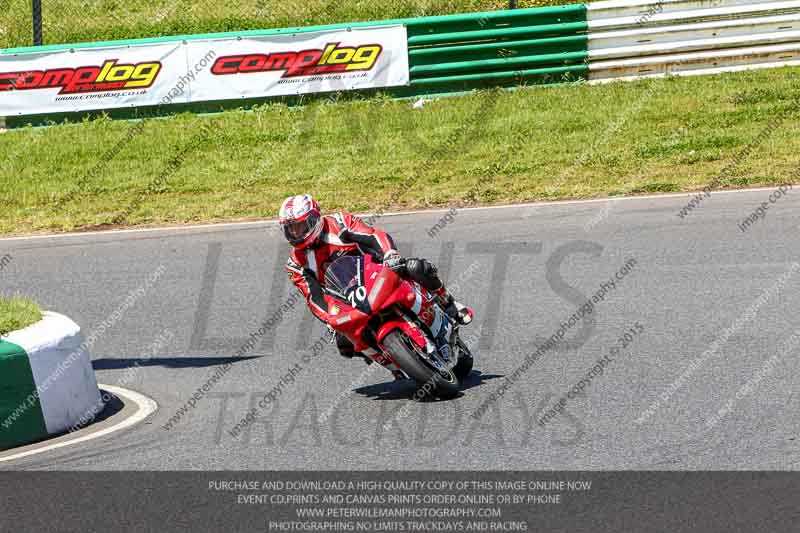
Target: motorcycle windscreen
{"points": [[344, 278]]}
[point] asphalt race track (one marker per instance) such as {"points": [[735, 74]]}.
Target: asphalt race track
{"points": [[709, 379]]}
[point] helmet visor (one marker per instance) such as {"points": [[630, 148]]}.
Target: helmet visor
{"points": [[297, 231]]}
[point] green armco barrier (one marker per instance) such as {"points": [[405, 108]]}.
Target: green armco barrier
{"points": [[448, 54], [461, 23], [551, 74], [515, 47], [475, 52]]}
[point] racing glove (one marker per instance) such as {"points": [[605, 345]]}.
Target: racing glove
{"points": [[394, 261]]}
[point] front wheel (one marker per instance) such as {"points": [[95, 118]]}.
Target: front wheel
{"points": [[438, 382]]}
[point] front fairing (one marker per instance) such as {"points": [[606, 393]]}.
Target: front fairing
{"points": [[377, 289]]}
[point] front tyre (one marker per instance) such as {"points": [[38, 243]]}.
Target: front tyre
{"points": [[439, 383]]}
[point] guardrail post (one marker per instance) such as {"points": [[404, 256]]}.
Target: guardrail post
{"points": [[36, 9]]}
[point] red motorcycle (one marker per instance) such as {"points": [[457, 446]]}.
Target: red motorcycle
{"points": [[397, 323]]}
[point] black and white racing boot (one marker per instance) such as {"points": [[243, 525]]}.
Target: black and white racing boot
{"points": [[454, 309], [459, 312]]}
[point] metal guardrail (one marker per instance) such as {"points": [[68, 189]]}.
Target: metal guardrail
{"points": [[603, 41], [631, 39], [539, 45], [455, 53], [598, 42]]}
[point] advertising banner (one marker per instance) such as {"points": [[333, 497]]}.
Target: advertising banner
{"points": [[93, 78], [233, 68], [292, 64]]}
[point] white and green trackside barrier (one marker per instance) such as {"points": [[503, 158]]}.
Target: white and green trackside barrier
{"points": [[594, 42], [47, 383], [600, 41]]}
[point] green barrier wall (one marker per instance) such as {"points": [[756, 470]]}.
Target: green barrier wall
{"points": [[21, 419], [447, 54], [462, 52]]}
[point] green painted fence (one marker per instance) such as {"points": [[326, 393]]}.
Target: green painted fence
{"points": [[447, 54]]}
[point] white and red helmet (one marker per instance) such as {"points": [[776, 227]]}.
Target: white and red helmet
{"points": [[301, 220]]}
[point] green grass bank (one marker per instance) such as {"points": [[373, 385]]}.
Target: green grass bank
{"points": [[17, 313], [549, 143]]}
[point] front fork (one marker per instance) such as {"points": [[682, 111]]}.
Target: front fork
{"points": [[443, 329], [436, 330], [444, 351]]}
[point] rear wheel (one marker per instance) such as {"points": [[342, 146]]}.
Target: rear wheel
{"points": [[433, 379]]}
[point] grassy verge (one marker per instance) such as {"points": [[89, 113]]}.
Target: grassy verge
{"points": [[532, 144], [70, 21], [17, 313]]}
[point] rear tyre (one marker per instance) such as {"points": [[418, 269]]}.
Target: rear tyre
{"points": [[430, 381]]}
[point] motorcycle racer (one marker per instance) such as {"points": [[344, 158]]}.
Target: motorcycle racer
{"points": [[317, 240]]}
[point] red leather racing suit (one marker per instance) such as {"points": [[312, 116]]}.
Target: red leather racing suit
{"points": [[341, 233]]}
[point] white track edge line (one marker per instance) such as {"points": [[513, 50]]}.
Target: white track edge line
{"points": [[269, 222], [147, 406]]}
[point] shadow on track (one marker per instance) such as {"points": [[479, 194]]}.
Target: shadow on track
{"points": [[405, 389], [166, 362]]}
